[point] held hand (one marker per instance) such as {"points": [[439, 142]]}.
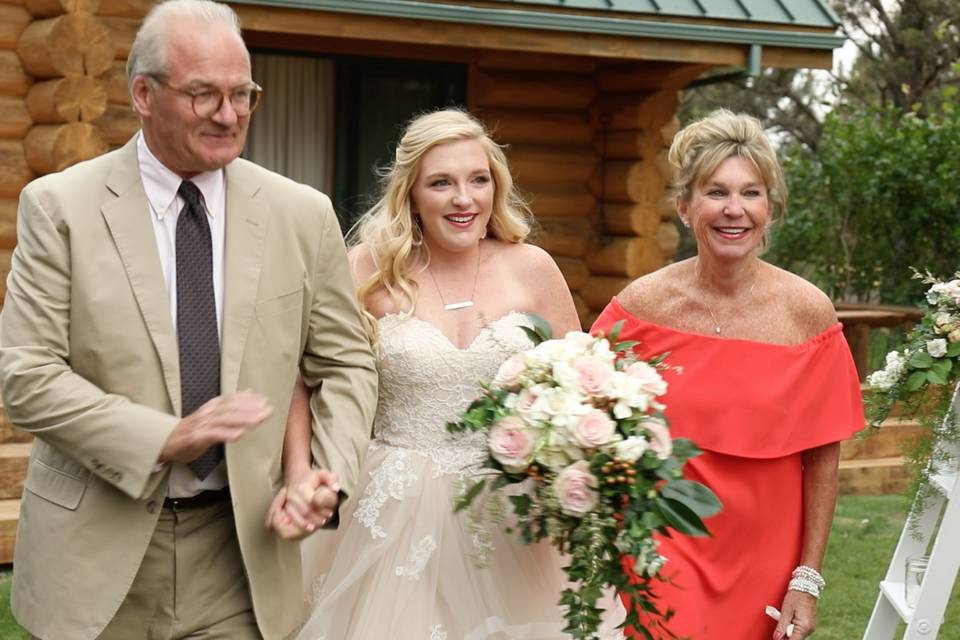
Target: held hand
{"points": [[221, 419], [799, 609], [312, 498], [280, 522]]}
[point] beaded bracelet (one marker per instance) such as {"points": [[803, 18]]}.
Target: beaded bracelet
{"points": [[807, 580], [804, 586], [809, 573]]}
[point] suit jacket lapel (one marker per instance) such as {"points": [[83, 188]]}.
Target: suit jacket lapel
{"points": [[246, 228], [128, 219]]}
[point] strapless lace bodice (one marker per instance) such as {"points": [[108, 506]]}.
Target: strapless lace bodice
{"points": [[426, 381]]}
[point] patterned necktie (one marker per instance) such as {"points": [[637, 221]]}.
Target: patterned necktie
{"points": [[197, 335]]}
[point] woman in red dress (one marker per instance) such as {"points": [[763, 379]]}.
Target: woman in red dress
{"points": [[767, 389]]}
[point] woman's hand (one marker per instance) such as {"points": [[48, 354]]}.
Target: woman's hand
{"points": [[280, 522], [800, 610]]}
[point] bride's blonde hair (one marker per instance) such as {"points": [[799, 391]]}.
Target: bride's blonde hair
{"points": [[391, 232]]}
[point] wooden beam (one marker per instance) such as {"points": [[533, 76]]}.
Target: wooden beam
{"points": [[14, 171], [51, 8], [15, 120], [14, 80], [543, 126], [424, 33], [525, 90], [76, 43], [13, 20], [51, 148]]}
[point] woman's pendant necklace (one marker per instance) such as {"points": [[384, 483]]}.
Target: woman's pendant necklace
{"points": [[463, 304], [717, 327]]}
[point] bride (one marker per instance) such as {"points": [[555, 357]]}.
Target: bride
{"points": [[444, 280]]}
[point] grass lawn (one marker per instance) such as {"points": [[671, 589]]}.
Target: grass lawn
{"points": [[865, 531]]}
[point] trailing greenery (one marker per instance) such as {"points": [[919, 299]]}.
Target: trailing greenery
{"points": [[879, 197]]}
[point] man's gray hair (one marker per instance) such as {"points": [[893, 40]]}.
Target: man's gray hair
{"points": [[148, 55]]}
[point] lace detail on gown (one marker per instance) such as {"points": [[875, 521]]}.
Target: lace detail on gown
{"points": [[426, 381], [403, 566]]}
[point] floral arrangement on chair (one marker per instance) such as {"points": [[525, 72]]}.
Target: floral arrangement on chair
{"points": [[920, 378], [575, 428]]}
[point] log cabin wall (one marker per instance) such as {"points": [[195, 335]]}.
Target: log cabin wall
{"points": [[540, 108]]}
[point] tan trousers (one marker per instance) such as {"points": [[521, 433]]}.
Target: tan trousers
{"points": [[191, 583]]}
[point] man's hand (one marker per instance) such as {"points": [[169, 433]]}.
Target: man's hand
{"points": [[312, 498], [221, 419]]}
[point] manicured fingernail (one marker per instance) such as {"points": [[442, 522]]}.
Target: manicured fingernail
{"points": [[778, 635]]}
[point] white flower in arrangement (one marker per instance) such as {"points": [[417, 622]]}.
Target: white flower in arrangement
{"points": [[593, 429], [944, 292], [632, 448], [524, 404], [937, 348], [509, 373], [511, 444], [565, 375], [887, 377], [954, 336], [660, 441], [576, 489], [592, 375], [650, 379], [581, 339], [556, 451]]}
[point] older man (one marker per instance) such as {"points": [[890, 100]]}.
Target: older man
{"points": [[161, 301]]}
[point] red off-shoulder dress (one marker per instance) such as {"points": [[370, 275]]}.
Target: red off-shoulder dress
{"points": [[752, 407]]}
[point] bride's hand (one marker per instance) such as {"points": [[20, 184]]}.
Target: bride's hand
{"points": [[280, 521], [312, 499]]}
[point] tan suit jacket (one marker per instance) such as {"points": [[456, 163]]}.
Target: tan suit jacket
{"points": [[89, 365]]}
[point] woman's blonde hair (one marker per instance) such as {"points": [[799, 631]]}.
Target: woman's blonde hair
{"points": [[700, 147], [390, 231]]}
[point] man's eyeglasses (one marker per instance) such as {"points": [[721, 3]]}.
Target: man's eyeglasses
{"points": [[206, 101]]}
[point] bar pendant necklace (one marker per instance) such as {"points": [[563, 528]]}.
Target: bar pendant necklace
{"points": [[453, 306]]}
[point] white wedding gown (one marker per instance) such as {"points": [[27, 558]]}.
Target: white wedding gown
{"points": [[404, 565]]}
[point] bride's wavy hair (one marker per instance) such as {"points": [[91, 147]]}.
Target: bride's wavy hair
{"points": [[389, 229], [700, 147]]}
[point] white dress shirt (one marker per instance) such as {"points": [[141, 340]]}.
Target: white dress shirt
{"points": [[161, 185]]}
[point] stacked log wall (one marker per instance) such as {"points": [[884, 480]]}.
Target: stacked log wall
{"points": [[540, 108], [634, 121]]}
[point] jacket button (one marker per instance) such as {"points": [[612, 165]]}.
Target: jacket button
{"points": [[152, 506]]}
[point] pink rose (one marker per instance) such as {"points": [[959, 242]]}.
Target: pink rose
{"points": [[650, 380], [593, 429], [509, 372], [511, 444], [593, 375], [576, 488], [660, 441]]}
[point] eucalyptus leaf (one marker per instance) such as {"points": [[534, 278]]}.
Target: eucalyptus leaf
{"points": [[698, 497]]}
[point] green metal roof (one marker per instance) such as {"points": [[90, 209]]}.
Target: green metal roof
{"points": [[618, 17], [808, 13]]}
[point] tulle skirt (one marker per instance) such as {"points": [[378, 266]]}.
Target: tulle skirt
{"points": [[404, 566]]}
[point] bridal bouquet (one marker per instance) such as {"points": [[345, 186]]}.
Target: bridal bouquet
{"points": [[920, 375], [579, 445]]}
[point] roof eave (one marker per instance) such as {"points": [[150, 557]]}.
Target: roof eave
{"points": [[576, 23]]}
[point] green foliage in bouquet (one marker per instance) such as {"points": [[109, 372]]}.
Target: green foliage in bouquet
{"points": [[920, 378], [579, 446]]}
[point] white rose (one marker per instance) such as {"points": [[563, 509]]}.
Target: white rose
{"points": [[650, 379], [565, 375], [660, 441], [576, 489], [881, 379], [508, 375], [580, 339], [954, 336], [511, 444], [937, 348], [593, 429], [632, 448], [557, 451], [592, 375]]}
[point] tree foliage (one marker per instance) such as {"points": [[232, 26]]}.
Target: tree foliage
{"points": [[879, 197]]}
